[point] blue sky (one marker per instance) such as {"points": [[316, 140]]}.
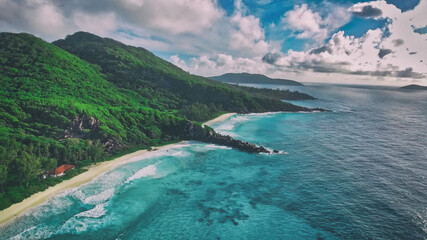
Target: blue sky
{"points": [[364, 42]]}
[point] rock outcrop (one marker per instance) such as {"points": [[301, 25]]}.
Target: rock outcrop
{"points": [[85, 127], [207, 134], [78, 126], [235, 143]]}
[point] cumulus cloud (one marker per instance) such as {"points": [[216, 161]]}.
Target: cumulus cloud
{"points": [[248, 35], [192, 27], [306, 21], [39, 16], [375, 9], [173, 17], [321, 50], [308, 24], [178, 62], [368, 11], [270, 58], [225, 63], [382, 52]]}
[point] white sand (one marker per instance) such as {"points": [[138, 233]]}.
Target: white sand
{"points": [[221, 118], [93, 171]]}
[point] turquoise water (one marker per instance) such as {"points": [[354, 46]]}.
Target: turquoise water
{"points": [[356, 173]]}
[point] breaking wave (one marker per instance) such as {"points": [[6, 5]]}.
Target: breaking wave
{"points": [[150, 170]]}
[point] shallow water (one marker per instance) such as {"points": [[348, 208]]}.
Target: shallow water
{"points": [[356, 173]]}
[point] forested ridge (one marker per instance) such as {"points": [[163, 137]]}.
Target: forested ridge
{"points": [[86, 98]]}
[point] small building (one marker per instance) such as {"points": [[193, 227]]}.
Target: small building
{"points": [[61, 170]]}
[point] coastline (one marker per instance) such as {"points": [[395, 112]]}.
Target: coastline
{"points": [[94, 171], [218, 119], [15, 210]]}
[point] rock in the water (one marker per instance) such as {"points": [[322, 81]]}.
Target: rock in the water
{"points": [[196, 132]]}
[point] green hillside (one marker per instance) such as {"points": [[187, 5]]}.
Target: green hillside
{"points": [[46, 91], [95, 100], [167, 86]]}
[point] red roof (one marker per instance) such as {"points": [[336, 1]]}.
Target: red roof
{"points": [[63, 168]]}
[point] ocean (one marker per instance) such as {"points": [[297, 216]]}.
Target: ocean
{"points": [[359, 172]]}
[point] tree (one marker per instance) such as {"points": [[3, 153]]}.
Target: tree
{"points": [[3, 175], [28, 167], [96, 151], [48, 164], [45, 150]]}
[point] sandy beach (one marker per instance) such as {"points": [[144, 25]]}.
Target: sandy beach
{"points": [[94, 171], [221, 118]]}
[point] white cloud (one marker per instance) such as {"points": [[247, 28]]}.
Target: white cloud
{"points": [[306, 21], [392, 53], [247, 34], [387, 10], [36, 16], [52, 20], [192, 27], [101, 24], [176, 17], [178, 62], [311, 25], [238, 35], [222, 63]]}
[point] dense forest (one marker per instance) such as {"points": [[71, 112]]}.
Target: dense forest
{"points": [[84, 99]]}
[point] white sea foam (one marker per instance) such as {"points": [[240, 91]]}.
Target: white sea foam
{"points": [[180, 154], [226, 126], [214, 146], [158, 153], [85, 221], [59, 203], [264, 113], [99, 198], [149, 170], [23, 234], [40, 231], [230, 124], [273, 153], [74, 225], [76, 193], [96, 212]]}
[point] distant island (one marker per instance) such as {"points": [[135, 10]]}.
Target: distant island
{"points": [[414, 87], [254, 78]]}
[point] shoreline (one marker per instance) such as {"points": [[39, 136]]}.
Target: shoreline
{"points": [[218, 119], [15, 210]]}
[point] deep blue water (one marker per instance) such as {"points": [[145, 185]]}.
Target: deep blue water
{"points": [[359, 172]]}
